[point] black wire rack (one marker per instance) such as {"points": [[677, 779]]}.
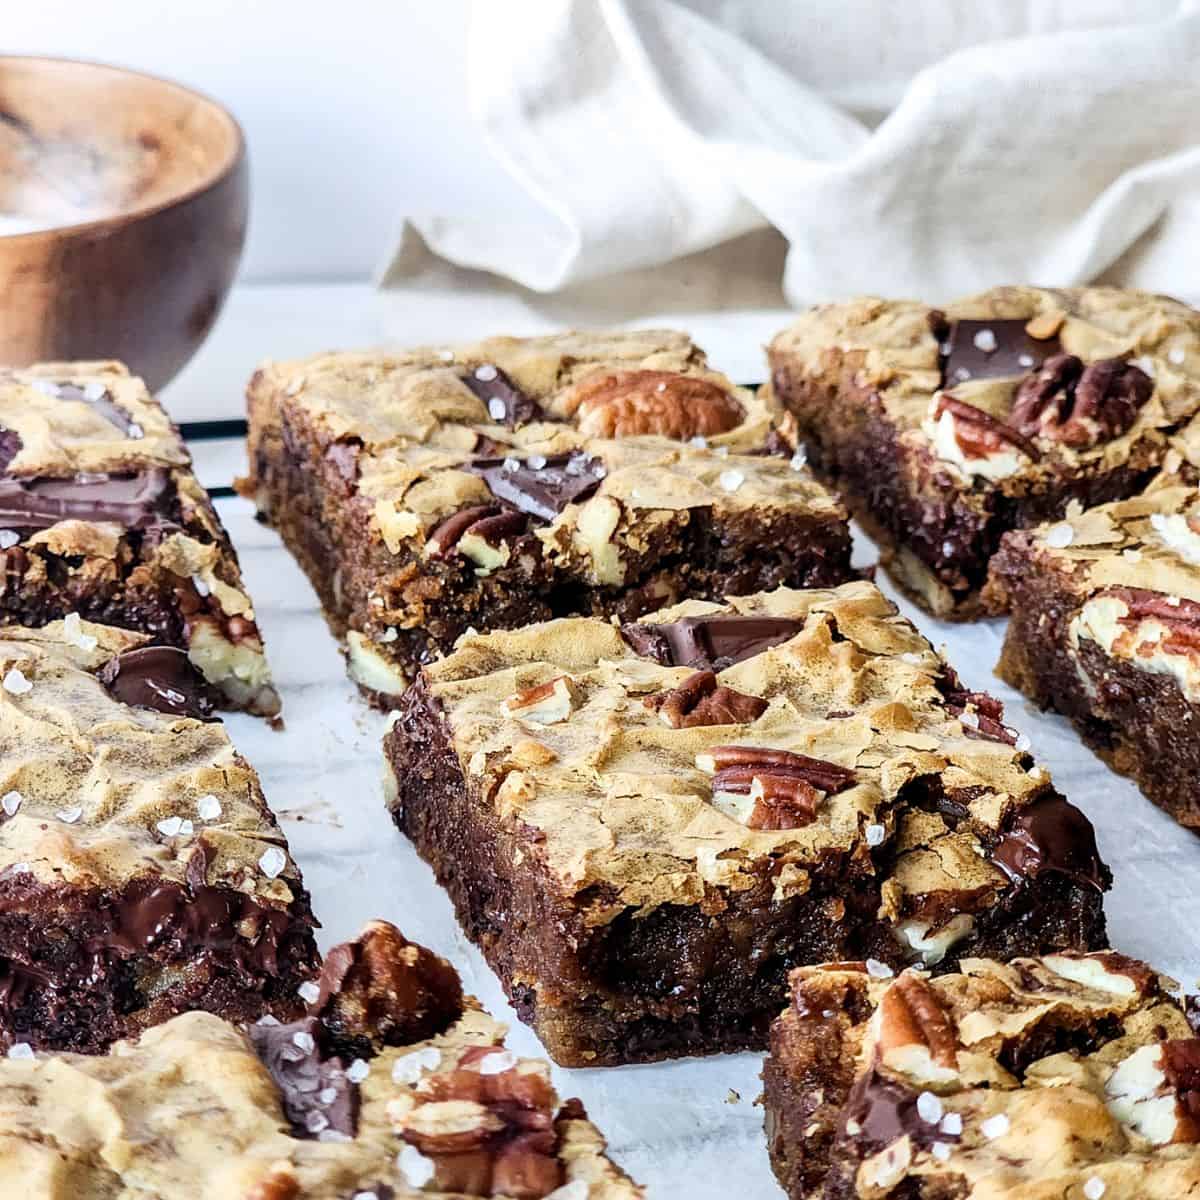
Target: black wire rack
{"points": [[213, 431]]}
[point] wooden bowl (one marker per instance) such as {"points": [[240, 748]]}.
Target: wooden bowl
{"points": [[122, 215]]}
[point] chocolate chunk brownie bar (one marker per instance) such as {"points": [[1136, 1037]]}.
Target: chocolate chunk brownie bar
{"points": [[1067, 1076], [100, 515], [424, 1101], [1106, 630], [522, 479], [141, 872], [646, 827], [944, 429]]}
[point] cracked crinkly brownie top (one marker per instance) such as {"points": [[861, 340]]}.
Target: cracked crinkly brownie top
{"points": [[1017, 382], [110, 770], [396, 1084], [101, 515], [794, 728], [594, 438], [1067, 1076]]}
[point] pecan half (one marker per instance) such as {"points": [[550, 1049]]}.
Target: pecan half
{"points": [[978, 433], [1181, 617], [910, 1014], [384, 990], [489, 524], [786, 788], [1077, 405], [626, 403], [700, 700]]}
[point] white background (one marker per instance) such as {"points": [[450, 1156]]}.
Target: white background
{"points": [[355, 111]]}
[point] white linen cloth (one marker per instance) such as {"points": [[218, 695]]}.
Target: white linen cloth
{"points": [[925, 148]]}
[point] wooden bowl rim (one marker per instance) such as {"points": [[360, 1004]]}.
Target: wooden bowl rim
{"points": [[233, 161]]}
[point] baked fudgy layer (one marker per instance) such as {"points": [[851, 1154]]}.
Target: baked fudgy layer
{"points": [[141, 872], [683, 979], [102, 517], [1140, 722], [82, 968]]}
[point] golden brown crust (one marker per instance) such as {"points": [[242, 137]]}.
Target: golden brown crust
{"points": [[891, 348], [625, 799], [103, 793]]}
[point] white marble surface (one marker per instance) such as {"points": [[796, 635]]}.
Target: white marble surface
{"points": [[689, 1128]]}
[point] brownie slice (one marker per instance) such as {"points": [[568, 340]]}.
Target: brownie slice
{"points": [[945, 429], [1070, 1075], [1106, 630], [514, 481], [100, 515], [645, 828], [424, 1100], [141, 873]]}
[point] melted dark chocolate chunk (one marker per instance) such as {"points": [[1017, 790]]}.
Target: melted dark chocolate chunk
{"points": [[101, 400], [1051, 835], [881, 1110], [158, 677], [965, 354], [10, 446], [316, 1093], [130, 500], [708, 643], [506, 403], [541, 486]]}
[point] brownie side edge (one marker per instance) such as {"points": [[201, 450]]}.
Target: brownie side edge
{"points": [[1139, 722]]}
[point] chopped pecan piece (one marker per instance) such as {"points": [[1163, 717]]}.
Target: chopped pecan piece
{"points": [[700, 700], [981, 715], [546, 704], [381, 988], [1180, 617], [1156, 1091], [489, 1132], [911, 1015], [626, 403], [1077, 405], [978, 433], [786, 788]]}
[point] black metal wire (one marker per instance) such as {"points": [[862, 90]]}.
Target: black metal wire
{"points": [[209, 431]]}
